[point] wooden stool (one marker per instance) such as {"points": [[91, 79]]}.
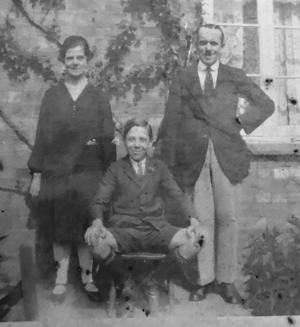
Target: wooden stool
{"points": [[143, 257]]}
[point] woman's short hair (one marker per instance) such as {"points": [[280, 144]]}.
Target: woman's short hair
{"points": [[138, 122], [72, 42]]}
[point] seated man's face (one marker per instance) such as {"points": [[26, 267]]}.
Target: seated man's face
{"points": [[137, 143]]}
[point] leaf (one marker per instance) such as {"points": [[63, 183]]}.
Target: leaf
{"points": [[274, 279], [293, 292], [266, 258]]}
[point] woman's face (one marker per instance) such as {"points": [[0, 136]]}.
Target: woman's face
{"points": [[75, 62]]}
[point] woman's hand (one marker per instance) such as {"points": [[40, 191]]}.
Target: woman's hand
{"points": [[35, 185], [94, 232]]}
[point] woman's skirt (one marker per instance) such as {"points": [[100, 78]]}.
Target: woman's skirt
{"points": [[64, 203]]}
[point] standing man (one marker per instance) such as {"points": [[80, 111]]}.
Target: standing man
{"points": [[202, 145]]}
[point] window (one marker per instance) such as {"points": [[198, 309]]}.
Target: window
{"points": [[263, 38]]}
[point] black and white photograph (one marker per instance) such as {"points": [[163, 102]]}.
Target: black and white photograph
{"points": [[149, 163]]}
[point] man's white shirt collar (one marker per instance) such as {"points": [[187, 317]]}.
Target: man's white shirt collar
{"points": [[202, 72], [214, 67]]}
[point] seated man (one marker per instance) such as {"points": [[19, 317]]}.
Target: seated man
{"points": [[135, 185]]}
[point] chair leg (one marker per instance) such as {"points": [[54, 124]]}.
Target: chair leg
{"points": [[112, 300], [171, 294]]}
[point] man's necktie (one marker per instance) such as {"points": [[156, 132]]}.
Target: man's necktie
{"points": [[208, 83], [140, 172]]}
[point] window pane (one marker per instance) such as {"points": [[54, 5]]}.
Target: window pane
{"points": [[241, 48], [241, 43], [287, 52], [288, 101], [235, 11], [286, 13]]}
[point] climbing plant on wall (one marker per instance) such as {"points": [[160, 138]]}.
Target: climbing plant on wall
{"points": [[171, 52], [17, 61]]}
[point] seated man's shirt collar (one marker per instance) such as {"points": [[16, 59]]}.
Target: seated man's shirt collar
{"points": [[135, 164]]}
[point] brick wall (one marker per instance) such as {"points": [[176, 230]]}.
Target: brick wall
{"points": [[95, 20], [271, 190]]}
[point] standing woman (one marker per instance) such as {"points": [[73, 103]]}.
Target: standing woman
{"points": [[72, 149]]}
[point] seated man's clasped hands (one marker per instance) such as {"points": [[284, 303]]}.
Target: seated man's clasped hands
{"points": [[134, 186]]}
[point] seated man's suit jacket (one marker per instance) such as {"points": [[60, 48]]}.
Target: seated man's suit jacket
{"points": [[191, 120], [135, 199]]}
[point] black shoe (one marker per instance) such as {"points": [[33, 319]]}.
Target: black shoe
{"points": [[198, 295], [229, 293], [58, 298], [92, 292], [95, 296]]}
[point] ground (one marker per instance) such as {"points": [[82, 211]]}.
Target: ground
{"points": [[77, 307]]}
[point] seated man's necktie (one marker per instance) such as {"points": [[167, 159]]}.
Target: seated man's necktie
{"points": [[140, 171], [208, 83]]}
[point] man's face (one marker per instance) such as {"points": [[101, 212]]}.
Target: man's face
{"points": [[210, 45], [137, 143], [75, 62]]}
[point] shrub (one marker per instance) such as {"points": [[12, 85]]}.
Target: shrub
{"points": [[272, 269]]}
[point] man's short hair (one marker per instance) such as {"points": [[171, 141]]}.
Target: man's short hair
{"points": [[212, 27], [138, 122]]}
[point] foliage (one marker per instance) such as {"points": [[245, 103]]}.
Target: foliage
{"points": [[47, 5], [273, 269], [112, 73], [172, 50], [17, 62]]}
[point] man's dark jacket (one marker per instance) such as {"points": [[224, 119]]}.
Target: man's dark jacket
{"points": [[191, 120]]}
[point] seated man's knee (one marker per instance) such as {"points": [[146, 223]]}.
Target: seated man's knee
{"points": [[189, 249], [104, 247], [187, 246]]}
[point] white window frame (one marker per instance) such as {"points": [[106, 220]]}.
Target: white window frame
{"points": [[269, 138]]}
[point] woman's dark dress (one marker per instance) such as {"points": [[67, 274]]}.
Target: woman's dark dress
{"points": [[71, 169]]}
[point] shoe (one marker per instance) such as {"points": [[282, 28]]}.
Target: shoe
{"points": [[229, 293], [58, 294], [198, 295], [92, 292]]}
